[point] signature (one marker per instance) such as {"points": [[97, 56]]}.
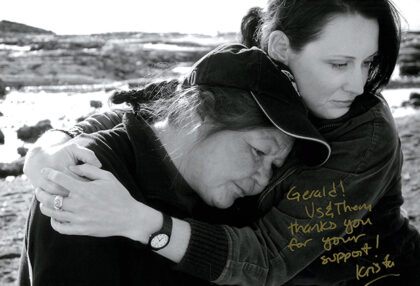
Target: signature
{"points": [[380, 277]]}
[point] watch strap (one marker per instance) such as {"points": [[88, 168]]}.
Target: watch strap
{"points": [[165, 229]]}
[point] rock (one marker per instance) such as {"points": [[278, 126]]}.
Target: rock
{"points": [[22, 151], [405, 103], [1, 114], [415, 103], [409, 69], [12, 169], [415, 95], [96, 103], [2, 89], [1, 137], [32, 133]]}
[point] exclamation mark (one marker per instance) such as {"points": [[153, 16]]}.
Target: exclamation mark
{"points": [[342, 187]]}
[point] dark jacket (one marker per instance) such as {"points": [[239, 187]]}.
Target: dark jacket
{"points": [[365, 168], [134, 155]]}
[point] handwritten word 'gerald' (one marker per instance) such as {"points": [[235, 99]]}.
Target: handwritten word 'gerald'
{"points": [[295, 195]]}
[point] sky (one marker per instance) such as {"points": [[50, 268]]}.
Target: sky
{"points": [[186, 16]]}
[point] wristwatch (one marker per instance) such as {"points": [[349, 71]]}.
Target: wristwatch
{"points": [[161, 238]]}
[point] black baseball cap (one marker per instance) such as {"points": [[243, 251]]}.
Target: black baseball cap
{"points": [[272, 86]]}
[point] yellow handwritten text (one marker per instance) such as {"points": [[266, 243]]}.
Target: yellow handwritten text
{"points": [[344, 256], [294, 243], [342, 207], [320, 226], [381, 277], [330, 241], [365, 271], [320, 193], [320, 213], [351, 224]]}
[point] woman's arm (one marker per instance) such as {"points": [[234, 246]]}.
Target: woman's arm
{"points": [[37, 156], [51, 149], [85, 214], [76, 260]]}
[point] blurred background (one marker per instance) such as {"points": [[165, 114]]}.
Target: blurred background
{"points": [[61, 60]]}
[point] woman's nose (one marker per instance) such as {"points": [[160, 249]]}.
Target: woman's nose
{"points": [[264, 173], [356, 82]]}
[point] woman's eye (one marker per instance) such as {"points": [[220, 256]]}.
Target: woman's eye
{"points": [[368, 63], [257, 152], [339, 66]]}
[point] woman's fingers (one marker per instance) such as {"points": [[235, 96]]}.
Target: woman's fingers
{"points": [[47, 200], [52, 188], [60, 215], [61, 179], [85, 155], [90, 172]]}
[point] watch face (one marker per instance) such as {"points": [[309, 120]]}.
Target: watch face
{"points": [[159, 240]]}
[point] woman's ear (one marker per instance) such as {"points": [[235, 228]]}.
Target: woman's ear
{"points": [[279, 46]]}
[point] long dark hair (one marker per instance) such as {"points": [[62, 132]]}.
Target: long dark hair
{"points": [[303, 21], [226, 108]]}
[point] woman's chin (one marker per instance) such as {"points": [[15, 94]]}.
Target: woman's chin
{"points": [[222, 204], [334, 113]]}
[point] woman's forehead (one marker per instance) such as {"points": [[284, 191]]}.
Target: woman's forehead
{"points": [[267, 135], [350, 35]]}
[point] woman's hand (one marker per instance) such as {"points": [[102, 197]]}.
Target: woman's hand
{"points": [[101, 207], [58, 157]]}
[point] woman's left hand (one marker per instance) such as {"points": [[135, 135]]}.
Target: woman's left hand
{"points": [[101, 207]]}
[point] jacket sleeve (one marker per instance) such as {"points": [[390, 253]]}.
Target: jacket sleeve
{"points": [[364, 165], [97, 122], [57, 259]]}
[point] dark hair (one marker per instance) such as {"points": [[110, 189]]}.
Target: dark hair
{"points": [[226, 108], [303, 20]]}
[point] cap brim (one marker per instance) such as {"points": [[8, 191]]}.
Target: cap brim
{"points": [[313, 149]]}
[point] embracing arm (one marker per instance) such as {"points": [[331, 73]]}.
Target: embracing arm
{"points": [[94, 123]]}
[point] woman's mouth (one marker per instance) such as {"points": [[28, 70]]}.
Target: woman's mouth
{"points": [[343, 103], [241, 192]]}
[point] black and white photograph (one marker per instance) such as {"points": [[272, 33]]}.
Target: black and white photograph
{"points": [[236, 142]]}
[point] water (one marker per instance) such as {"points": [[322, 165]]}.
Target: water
{"points": [[63, 107], [395, 97]]}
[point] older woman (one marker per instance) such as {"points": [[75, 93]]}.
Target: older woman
{"points": [[215, 140], [341, 53]]}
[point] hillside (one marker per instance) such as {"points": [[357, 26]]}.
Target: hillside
{"points": [[13, 27], [48, 59]]}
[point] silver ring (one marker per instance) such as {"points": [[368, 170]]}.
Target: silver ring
{"points": [[58, 202]]}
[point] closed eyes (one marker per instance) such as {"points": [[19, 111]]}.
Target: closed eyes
{"points": [[257, 152]]}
